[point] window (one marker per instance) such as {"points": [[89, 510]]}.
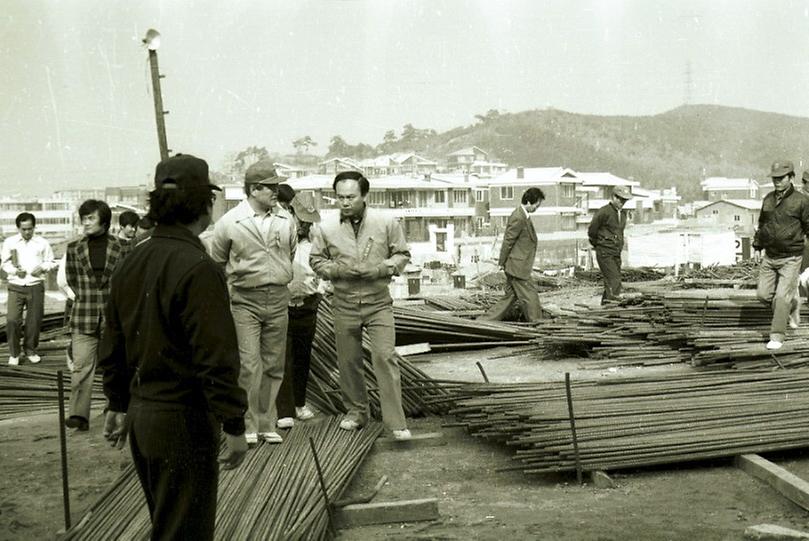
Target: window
{"points": [[459, 196], [440, 197], [376, 198], [506, 192], [568, 223], [480, 195], [714, 212], [568, 190], [479, 222], [460, 226], [422, 195], [737, 218]]}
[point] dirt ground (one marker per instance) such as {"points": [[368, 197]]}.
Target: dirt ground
{"points": [[703, 501]]}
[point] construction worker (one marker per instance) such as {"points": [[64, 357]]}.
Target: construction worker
{"points": [[782, 227], [171, 361], [517, 255], [606, 234], [359, 250]]}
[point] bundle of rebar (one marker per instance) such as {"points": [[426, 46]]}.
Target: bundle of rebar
{"points": [[275, 494], [742, 273], [33, 389], [635, 422], [638, 274]]}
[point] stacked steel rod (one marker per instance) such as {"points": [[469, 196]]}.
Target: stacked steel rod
{"points": [[640, 422], [33, 389], [274, 494]]}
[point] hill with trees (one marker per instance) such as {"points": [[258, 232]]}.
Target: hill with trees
{"points": [[675, 148]]}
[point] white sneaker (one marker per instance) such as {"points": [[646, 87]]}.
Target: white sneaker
{"points": [[34, 359], [402, 435], [350, 424], [774, 344], [271, 437], [13, 361], [252, 438], [285, 422], [304, 413]]}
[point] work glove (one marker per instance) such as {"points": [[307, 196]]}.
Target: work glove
{"points": [[235, 449]]}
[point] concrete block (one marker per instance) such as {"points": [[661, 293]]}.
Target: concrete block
{"points": [[364, 514], [773, 532]]}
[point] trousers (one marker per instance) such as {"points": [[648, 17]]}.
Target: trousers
{"points": [[175, 456], [30, 299], [777, 287], [85, 358], [377, 319], [517, 290], [300, 333], [610, 267], [261, 321]]}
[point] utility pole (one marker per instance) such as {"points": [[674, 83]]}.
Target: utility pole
{"points": [[152, 42]]}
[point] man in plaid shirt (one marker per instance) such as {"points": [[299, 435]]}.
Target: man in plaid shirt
{"points": [[89, 263]]}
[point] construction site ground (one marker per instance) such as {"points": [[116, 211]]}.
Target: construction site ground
{"points": [[696, 501]]}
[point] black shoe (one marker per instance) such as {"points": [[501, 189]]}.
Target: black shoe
{"points": [[78, 422]]}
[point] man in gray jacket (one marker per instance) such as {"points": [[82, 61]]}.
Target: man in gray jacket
{"points": [[256, 241], [359, 250]]}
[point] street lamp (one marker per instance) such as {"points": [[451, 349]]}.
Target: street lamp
{"points": [[152, 42]]}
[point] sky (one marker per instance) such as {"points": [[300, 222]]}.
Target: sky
{"points": [[76, 107]]}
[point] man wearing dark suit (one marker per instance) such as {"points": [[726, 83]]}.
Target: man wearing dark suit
{"points": [[606, 234], [89, 264], [517, 260]]}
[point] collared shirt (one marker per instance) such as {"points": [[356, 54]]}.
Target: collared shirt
{"points": [[355, 221], [255, 254], [26, 255]]}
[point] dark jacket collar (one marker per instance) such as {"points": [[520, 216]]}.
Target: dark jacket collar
{"points": [[177, 232]]}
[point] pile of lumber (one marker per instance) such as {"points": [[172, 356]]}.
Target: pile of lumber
{"points": [[274, 494], [626, 423]]}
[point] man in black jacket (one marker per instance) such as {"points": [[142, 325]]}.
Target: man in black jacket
{"points": [[171, 361], [606, 234], [782, 226]]}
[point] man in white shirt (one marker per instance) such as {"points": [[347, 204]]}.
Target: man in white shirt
{"points": [[26, 258]]}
